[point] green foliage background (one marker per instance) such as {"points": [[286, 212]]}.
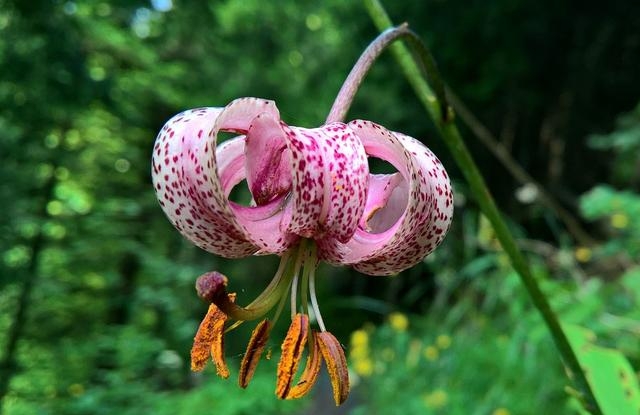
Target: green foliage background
{"points": [[97, 306]]}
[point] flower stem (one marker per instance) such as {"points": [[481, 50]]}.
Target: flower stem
{"points": [[425, 62], [450, 134], [275, 281], [304, 289], [351, 85], [280, 307], [276, 289], [302, 251]]}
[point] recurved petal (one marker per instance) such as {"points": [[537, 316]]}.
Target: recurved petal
{"points": [[187, 180], [422, 202], [330, 176], [309, 180], [388, 195], [262, 224], [268, 160], [347, 171], [183, 183]]}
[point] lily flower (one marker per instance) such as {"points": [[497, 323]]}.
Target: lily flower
{"points": [[313, 199]]}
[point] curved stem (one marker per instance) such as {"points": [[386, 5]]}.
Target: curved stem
{"points": [[450, 134], [237, 312], [279, 308], [264, 302], [347, 92], [282, 266]]}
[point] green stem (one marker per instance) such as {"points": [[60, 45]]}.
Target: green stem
{"points": [[347, 92], [276, 289], [350, 86], [275, 281], [452, 138], [302, 252], [304, 289], [280, 307]]}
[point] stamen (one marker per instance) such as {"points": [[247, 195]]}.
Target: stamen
{"points": [[280, 307], [292, 348], [309, 263], [201, 349], [209, 341], [336, 361], [323, 345], [311, 370], [294, 291], [256, 345], [281, 273]]}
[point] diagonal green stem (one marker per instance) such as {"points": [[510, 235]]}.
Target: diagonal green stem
{"points": [[450, 134]]}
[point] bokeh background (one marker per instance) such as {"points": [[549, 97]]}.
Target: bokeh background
{"points": [[97, 305]]}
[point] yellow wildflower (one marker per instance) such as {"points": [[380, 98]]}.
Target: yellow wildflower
{"points": [[431, 353], [359, 338], [359, 353], [443, 341], [582, 254], [363, 367], [436, 399], [501, 411], [619, 220], [398, 321]]}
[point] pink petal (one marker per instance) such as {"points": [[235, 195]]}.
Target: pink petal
{"points": [[426, 215], [329, 181], [347, 171], [268, 161], [262, 223], [188, 183], [308, 176], [387, 201]]}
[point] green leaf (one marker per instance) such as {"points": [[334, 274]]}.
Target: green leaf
{"points": [[609, 373]]}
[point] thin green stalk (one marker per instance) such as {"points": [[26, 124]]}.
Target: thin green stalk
{"points": [[451, 136], [304, 289]]}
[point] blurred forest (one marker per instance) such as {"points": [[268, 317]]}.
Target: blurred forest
{"points": [[97, 305]]}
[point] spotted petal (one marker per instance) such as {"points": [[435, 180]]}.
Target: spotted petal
{"points": [[304, 182], [407, 214], [193, 178], [330, 174]]}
